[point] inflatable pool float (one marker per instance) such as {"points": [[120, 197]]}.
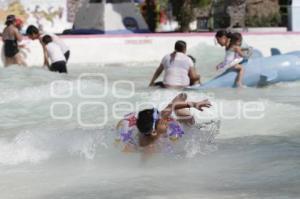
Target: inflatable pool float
{"points": [[260, 71], [178, 138]]}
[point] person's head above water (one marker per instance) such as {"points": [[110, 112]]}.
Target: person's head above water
{"points": [[235, 39], [225, 38], [180, 46], [10, 19], [33, 32], [149, 123], [46, 39], [222, 37]]}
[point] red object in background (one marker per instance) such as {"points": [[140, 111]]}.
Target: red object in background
{"points": [[19, 23], [163, 17]]}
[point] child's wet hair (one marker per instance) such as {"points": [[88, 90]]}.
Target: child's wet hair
{"points": [[32, 30], [234, 38], [47, 39], [145, 121], [222, 33]]}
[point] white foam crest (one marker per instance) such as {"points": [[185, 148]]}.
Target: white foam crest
{"points": [[27, 94], [295, 84], [241, 118], [207, 58], [51, 90], [36, 146], [273, 118], [21, 149]]}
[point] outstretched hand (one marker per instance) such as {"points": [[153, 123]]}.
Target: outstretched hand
{"points": [[202, 104]]}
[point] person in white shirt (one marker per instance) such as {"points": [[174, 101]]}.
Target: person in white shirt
{"points": [[179, 69], [34, 33], [56, 56]]}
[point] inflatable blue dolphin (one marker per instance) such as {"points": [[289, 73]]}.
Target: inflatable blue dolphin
{"points": [[260, 71]]}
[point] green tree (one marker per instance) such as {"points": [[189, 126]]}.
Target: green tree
{"points": [[185, 11]]}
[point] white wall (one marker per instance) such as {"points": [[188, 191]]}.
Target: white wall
{"points": [[115, 13], [109, 49]]}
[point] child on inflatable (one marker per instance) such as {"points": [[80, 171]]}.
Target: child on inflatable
{"points": [[234, 56], [144, 130]]}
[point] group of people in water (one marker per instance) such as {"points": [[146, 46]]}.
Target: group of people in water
{"points": [[179, 68], [179, 72], [56, 52], [147, 129]]}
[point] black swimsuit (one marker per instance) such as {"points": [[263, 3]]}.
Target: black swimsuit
{"points": [[10, 48]]}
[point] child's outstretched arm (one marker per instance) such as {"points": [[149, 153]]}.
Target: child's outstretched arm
{"points": [[179, 102]]}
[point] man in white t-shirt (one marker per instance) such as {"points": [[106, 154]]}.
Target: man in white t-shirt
{"points": [[179, 69], [34, 33], [57, 58]]}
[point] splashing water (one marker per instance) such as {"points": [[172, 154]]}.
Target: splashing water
{"points": [[67, 157]]}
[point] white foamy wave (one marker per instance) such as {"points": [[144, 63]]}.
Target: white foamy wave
{"points": [[33, 147], [295, 84], [27, 94], [265, 118], [21, 149], [207, 58], [241, 118]]}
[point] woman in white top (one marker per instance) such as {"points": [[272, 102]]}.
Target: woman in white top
{"points": [[56, 56], [178, 67]]}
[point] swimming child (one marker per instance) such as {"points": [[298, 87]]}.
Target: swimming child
{"points": [[56, 56], [234, 53], [144, 130]]}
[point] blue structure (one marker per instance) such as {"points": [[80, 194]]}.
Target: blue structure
{"points": [[260, 71]]}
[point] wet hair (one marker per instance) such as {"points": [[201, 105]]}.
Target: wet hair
{"points": [[192, 58], [180, 46], [47, 39], [234, 38], [32, 30], [238, 36], [10, 19], [145, 121], [222, 33]]}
